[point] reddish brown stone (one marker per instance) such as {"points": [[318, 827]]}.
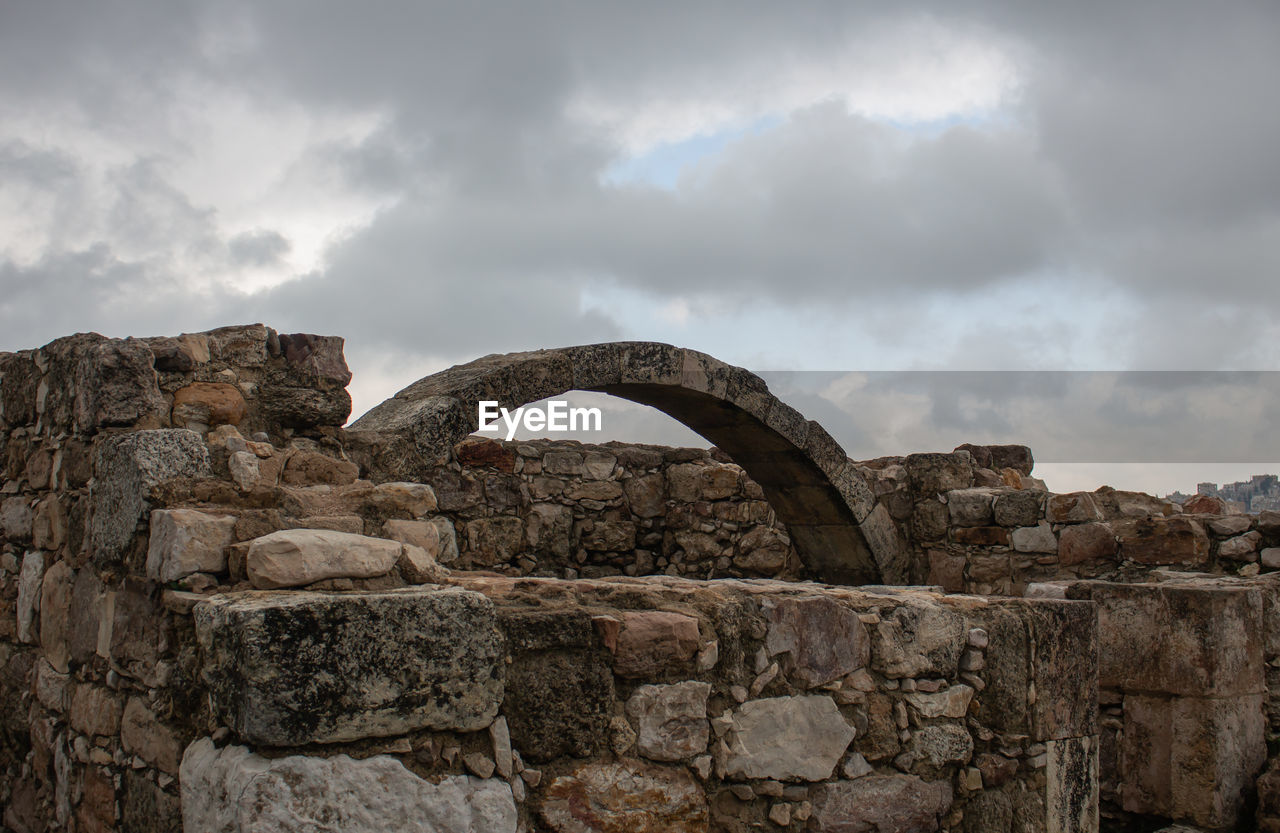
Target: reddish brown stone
{"points": [[1205, 505], [981, 536], [1163, 540], [946, 570], [1080, 543], [480, 452], [653, 642], [1073, 507], [210, 403]]}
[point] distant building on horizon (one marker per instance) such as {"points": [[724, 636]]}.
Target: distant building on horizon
{"points": [[1259, 493]]}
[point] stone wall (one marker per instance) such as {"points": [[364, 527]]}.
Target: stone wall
{"points": [[208, 589]]}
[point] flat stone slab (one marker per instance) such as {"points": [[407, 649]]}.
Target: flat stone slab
{"points": [[233, 790], [626, 797], [787, 739], [288, 668]]}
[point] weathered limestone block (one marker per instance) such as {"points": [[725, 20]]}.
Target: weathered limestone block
{"points": [[1041, 674], [610, 536], [295, 557], [971, 507], [762, 550], [1018, 508], [786, 739], [671, 720], [1071, 799], [127, 466], [115, 385], [918, 639], [1162, 540], [1181, 639], [1087, 542], [95, 710], [822, 639], [939, 745], [299, 667], [952, 701], [1038, 538], [1191, 758], [548, 529], [879, 803], [186, 541], [495, 540], [934, 473], [435, 535], [646, 495], [484, 452], [626, 797], [16, 519], [417, 566], [560, 691], [233, 790], [1241, 548], [654, 642], [142, 734]]}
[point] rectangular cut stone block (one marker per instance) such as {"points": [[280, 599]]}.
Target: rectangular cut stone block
{"points": [[1192, 759], [1071, 800], [1186, 639], [1041, 669], [288, 668]]}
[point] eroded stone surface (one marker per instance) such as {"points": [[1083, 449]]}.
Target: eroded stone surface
{"points": [[295, 557], [232, 790], [786, 738], [671, 720], [822, 639], [626, 797], [879, 804], [186, 541], [652, 642], [292, 668]]}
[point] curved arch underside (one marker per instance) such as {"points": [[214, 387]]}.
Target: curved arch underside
{"points": [[839, 531]]}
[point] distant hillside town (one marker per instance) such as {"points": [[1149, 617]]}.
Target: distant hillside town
{"points": [[1260, 492]]}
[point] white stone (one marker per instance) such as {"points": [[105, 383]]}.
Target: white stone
{"points": [[787, 738], [418, 567], [233, 790], [243, 466], [1038, 538], [29, 593], [435, 535], [671, 719], [296, 557], [186, 541]]}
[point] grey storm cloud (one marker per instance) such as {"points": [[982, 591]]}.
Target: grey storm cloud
{"points": [[1133, 154]]}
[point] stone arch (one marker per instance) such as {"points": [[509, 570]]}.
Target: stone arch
{"points": [[838, 529]]}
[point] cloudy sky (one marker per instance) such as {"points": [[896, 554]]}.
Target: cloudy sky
{"points": [[843, 186]]}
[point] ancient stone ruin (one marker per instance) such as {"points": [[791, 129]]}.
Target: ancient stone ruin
{"points": [[222, 611]]}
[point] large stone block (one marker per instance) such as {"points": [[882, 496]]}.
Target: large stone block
{"points": [[822, 640], [127, 467], [233, 790], [654, 642], [1184, 639], [186, 541], [879, 803], [1191, 758], [292, 668], [919, 638], [1162, 540], [671, 720], [786, 739], [626, 797], [1071, 794], [296, 557]]}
